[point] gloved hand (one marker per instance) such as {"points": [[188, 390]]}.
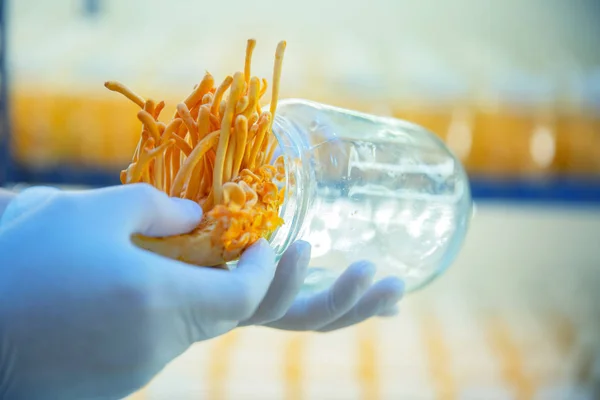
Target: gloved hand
{"points": [[86, 314], [350, 300]]}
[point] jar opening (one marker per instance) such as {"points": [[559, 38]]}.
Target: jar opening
{"points": [[297, 183]]}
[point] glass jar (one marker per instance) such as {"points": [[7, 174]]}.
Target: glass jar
{"points": [[365, 187]]}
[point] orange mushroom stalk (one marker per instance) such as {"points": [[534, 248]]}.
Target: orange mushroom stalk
{"points": [[216, 150]]}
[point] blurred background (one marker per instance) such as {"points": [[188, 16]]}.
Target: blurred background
{"points": [[513, 88]]}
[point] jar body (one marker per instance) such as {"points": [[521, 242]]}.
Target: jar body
{"points": [[365, 187]]}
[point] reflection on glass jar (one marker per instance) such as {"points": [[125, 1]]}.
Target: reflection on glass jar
{"points": [[366, 187]]}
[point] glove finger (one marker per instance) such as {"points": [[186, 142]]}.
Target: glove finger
{"points": [[287, 283], [383, 295], [254, 275], [209, 295], [313, 312], [389, 312], [141, 208]]}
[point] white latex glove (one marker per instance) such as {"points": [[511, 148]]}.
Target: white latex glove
{"points": [[351, 299], [85, 314]]}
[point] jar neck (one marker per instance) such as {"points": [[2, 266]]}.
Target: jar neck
{"points": [[299, 185]]}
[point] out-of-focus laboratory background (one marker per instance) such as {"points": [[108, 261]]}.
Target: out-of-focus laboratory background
{"points": [[512, 86]]}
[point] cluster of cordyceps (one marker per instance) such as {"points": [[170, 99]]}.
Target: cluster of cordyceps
{"points": [[217, 150]]}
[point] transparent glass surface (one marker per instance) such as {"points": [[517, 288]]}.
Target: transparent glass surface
{"points": [[364, 187]]}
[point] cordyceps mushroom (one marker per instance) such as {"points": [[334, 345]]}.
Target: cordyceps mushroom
{"points": [[215, 150]]}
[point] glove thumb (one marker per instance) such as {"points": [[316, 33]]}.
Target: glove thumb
{"points": [[143, 209]]}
